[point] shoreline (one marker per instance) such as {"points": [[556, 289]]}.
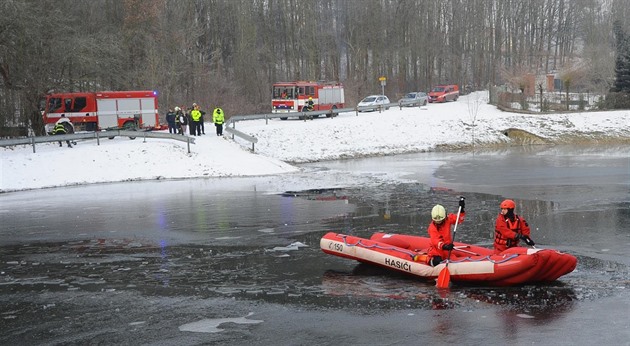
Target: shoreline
{"points": [[580, 141]]}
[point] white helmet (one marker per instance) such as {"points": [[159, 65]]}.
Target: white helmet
{"points": [[177, 109], [438, 213]]}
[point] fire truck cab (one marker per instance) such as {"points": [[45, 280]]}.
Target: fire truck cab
{"points": [[290, 97], [103, 110]]}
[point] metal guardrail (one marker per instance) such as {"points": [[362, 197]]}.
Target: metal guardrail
{"points": [[98, 135], [231, 130], [301, 115], [235, 132]]}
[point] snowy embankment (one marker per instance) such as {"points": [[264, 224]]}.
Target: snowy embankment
{"points": [[436, 126], [460, 124]]}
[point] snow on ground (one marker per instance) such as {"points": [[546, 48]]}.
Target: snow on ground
{"points": [[452, 125]]}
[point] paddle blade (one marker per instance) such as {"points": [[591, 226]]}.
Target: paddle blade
{"points": [[444, 279]]}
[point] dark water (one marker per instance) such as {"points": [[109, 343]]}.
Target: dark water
{"points": [[168, 262]]}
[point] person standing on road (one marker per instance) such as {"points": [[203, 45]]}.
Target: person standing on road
{"points": [[195, 117], [510, 228], [181, 120], [170, 120], [202, 128], [218, 118], [440, 232]]}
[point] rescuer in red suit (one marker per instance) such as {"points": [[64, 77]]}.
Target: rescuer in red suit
{"points": [[510, 228], [440, 232]]}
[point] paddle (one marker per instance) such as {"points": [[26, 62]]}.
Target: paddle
{"points": [[444, 278]]}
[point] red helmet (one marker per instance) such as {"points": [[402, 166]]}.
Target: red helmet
{"points": [[508, 204]]}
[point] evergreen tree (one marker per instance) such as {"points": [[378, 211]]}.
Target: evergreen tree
{"points": [[622, 60]]}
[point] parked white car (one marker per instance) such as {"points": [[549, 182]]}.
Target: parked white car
{"points": [[414, 99], [372, 103]]}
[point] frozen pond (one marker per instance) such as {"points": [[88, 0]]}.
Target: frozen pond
{"points": [[237, 261]]}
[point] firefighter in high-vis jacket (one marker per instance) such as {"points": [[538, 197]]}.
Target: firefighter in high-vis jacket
{"points": [[510, 228], [195, 118], [218, 118], [63, 126]]}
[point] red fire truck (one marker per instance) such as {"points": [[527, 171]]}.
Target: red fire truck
{"points": [[290, 97], [103, 110]]}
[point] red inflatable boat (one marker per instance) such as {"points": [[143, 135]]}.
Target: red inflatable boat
{"points": [[469, 264]]}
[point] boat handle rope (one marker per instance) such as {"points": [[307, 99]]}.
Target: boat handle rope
{"points": [[412, 254], [485, 258], [392, 248]]}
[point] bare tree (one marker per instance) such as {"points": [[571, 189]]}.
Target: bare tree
{"points": [[229, 52]]}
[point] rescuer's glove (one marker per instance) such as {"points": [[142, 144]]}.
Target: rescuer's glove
{"points": [[435, 261], [528, 240], [448, 246], [462, 203]]}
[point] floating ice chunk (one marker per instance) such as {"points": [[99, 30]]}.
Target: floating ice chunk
{"points": [[291, 247], [211, 325], [525, 316]]}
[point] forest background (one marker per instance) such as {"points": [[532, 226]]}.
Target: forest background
{"points": [[228, 53]]}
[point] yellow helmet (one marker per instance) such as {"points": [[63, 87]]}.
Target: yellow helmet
{"points": [[310, 97], [438, 213]]}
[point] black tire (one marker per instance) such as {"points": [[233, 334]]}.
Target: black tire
{"points": [[285, 118]]}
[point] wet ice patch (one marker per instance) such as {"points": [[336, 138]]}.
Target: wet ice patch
{"points": [[291, 247], [211, 325]]}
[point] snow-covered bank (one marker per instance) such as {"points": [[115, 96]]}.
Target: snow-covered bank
{"points": [[451, 125]]}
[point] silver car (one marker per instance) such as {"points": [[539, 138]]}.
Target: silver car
{"points": [[414, 99], [372, 103]]}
